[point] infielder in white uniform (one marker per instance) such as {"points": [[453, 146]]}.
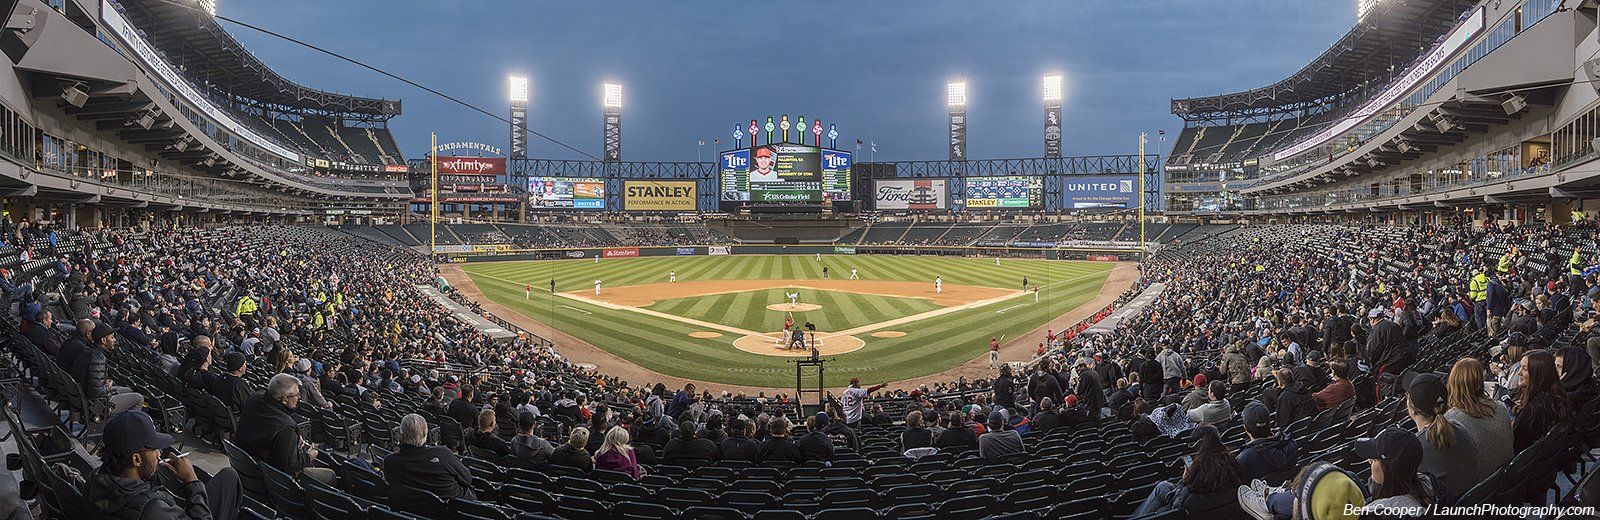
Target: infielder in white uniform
{"points": [[596, 286], [672, 276], [853, 275], [819, 257], [938, 284], [997, 261]]}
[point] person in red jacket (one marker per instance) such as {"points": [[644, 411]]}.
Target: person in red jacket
{"points": [[1339, 390]]}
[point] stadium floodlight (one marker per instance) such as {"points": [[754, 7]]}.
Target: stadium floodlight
{"points": [[957, 94], [518, 86], [1365, 6], [1052, 90], [209, 6], [613, 95]]}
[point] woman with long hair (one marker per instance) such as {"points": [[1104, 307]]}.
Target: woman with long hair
{"points": [[1209, 486], [1542, 403], [616, 455], [1448, 453], [1486, 420]]}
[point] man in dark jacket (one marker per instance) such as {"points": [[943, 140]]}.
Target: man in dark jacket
{"points": [[1266, 453], [1089, 391], [37, 330], [1047, 419], [815, 446], [270, 433], [957, 435], [75, 345], [231, 388], [416, 468], [1108, 371], [528, 446], [1044, 384], [124, 485], [1387, 350], [840, 434], [484, 436], [1499, 302], [1295, 401], [688, 449], [1150, 377], [738, 446], [1336, 329], [777, 449], [462, 408], [89, 368], [1005, 388]]}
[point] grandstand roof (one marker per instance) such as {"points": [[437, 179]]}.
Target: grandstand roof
{"points": [[1394, 35], [193, 41]]}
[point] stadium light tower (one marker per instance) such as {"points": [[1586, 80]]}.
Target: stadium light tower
{"points": [[1363, 7], [957, 103], [518, 94], [611, 101], [1051, 87]]}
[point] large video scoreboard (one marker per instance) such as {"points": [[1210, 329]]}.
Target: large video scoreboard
{"points": [[1005, 192], [785, 172]]}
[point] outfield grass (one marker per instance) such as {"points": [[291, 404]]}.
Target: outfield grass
{"points": [[748, 310], [663, 345]]}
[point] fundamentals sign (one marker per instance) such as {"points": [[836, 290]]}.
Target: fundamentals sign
{"points": [[659, 196]]}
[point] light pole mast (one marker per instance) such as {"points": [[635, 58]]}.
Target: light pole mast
{"points": [[433, 194]]}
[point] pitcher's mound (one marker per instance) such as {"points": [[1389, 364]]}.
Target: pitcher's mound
{"points": [[704, 334], [767, 345], [798, 307], [888, 334]]}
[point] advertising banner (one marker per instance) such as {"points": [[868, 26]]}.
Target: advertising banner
{"points": [[1052, 132], [844, 250], [685, 251], [659, 196], [719, 250], [1099, 191], [911, 194], [1103, 258], [620, 252], [449, 165], [958, 137], [613, 137]]}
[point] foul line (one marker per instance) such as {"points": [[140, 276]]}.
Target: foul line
{"points": [[576, 309], [1009, 308]]}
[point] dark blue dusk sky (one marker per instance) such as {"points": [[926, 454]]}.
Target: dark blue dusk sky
{"points": [[691, 69]]}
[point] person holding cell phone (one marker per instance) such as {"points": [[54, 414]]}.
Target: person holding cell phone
{"points": [[125, 485]]}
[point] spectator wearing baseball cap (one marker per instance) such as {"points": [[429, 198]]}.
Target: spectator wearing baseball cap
{"points": [[1448, 451], [1396, 480], [1001, 441], [739, 445], [815, 446], [231, 388], [129, 458], [1197, 395], [1266, 453]]}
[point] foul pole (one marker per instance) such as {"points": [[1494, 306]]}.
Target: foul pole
{"points": [[433, 194], [1142, 197]]}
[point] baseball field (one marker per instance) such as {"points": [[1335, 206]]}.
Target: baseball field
{"points": [[721, 318]]}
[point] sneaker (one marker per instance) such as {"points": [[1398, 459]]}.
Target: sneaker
{"points": [[1254, 501]]}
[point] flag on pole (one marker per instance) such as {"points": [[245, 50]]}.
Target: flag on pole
{"points": [[874, 147], [716, 141], [702, 143]]}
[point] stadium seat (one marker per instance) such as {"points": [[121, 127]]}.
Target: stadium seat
{"points": [[285, 494]]}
